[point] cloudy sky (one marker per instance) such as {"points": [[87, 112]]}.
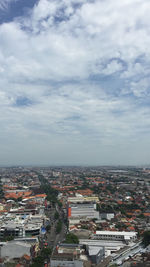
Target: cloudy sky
{"points": [[74, 82]]}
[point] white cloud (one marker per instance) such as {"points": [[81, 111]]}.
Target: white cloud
{"points": [[67, 59], [141, 88], [112, 67]]}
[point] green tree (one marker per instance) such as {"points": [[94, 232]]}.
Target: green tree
{"points": [[71, 239], [46, 252], [38, 261], [141, 216], [48, 228], [56, 215], [59, 204], [47, 189], [146, 238], [58, 227]]}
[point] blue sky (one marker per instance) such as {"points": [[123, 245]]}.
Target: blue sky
{"points": [[74, 82]]}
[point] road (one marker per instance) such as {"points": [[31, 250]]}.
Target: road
{"points": [[53, 238]]}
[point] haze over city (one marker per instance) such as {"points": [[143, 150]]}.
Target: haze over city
{"points": [[74, 82]]}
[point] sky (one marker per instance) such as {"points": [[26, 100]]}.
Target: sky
{"points": [[74, 82]]}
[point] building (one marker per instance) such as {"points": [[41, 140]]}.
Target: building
{"points": [[67, 255], [21, 226], [96, 254], [14, 249], [65, 261], [11, 229], [87, 210], [107, 216], [110, 246], [80, 199], [114, 235]]}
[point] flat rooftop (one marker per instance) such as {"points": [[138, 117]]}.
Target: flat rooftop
{"points": [[105, 243], [116, 233]]}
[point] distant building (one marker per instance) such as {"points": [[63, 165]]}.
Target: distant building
{"points": [[80, 199]]}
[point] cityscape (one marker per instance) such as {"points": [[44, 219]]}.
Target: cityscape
{"points": [[75, 216], [74, 133]]}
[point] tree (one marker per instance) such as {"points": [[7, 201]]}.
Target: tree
{"points": [[38, 261], [46, 252], [7, 238], [48, 227], [47, 189], [19, 199], [141, 216], [71, 239], [58, 227], [56, 216], [146, 238], [59, 204]]}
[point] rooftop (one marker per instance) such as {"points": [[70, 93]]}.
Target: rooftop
{"points": [[116, 233]]}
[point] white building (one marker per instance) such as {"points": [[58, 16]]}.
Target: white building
{"points": [[115, 235], [80, 199], [21, 226], [87, 210]]}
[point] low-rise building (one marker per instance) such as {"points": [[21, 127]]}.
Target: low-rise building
{"points": [[87, 210], [115, 235], [21, 226], [96, 254], [107, 216], [13, 249], [110, 246], [67, 255]]}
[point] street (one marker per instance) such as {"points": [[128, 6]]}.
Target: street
{"points": [[53, 238]]}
